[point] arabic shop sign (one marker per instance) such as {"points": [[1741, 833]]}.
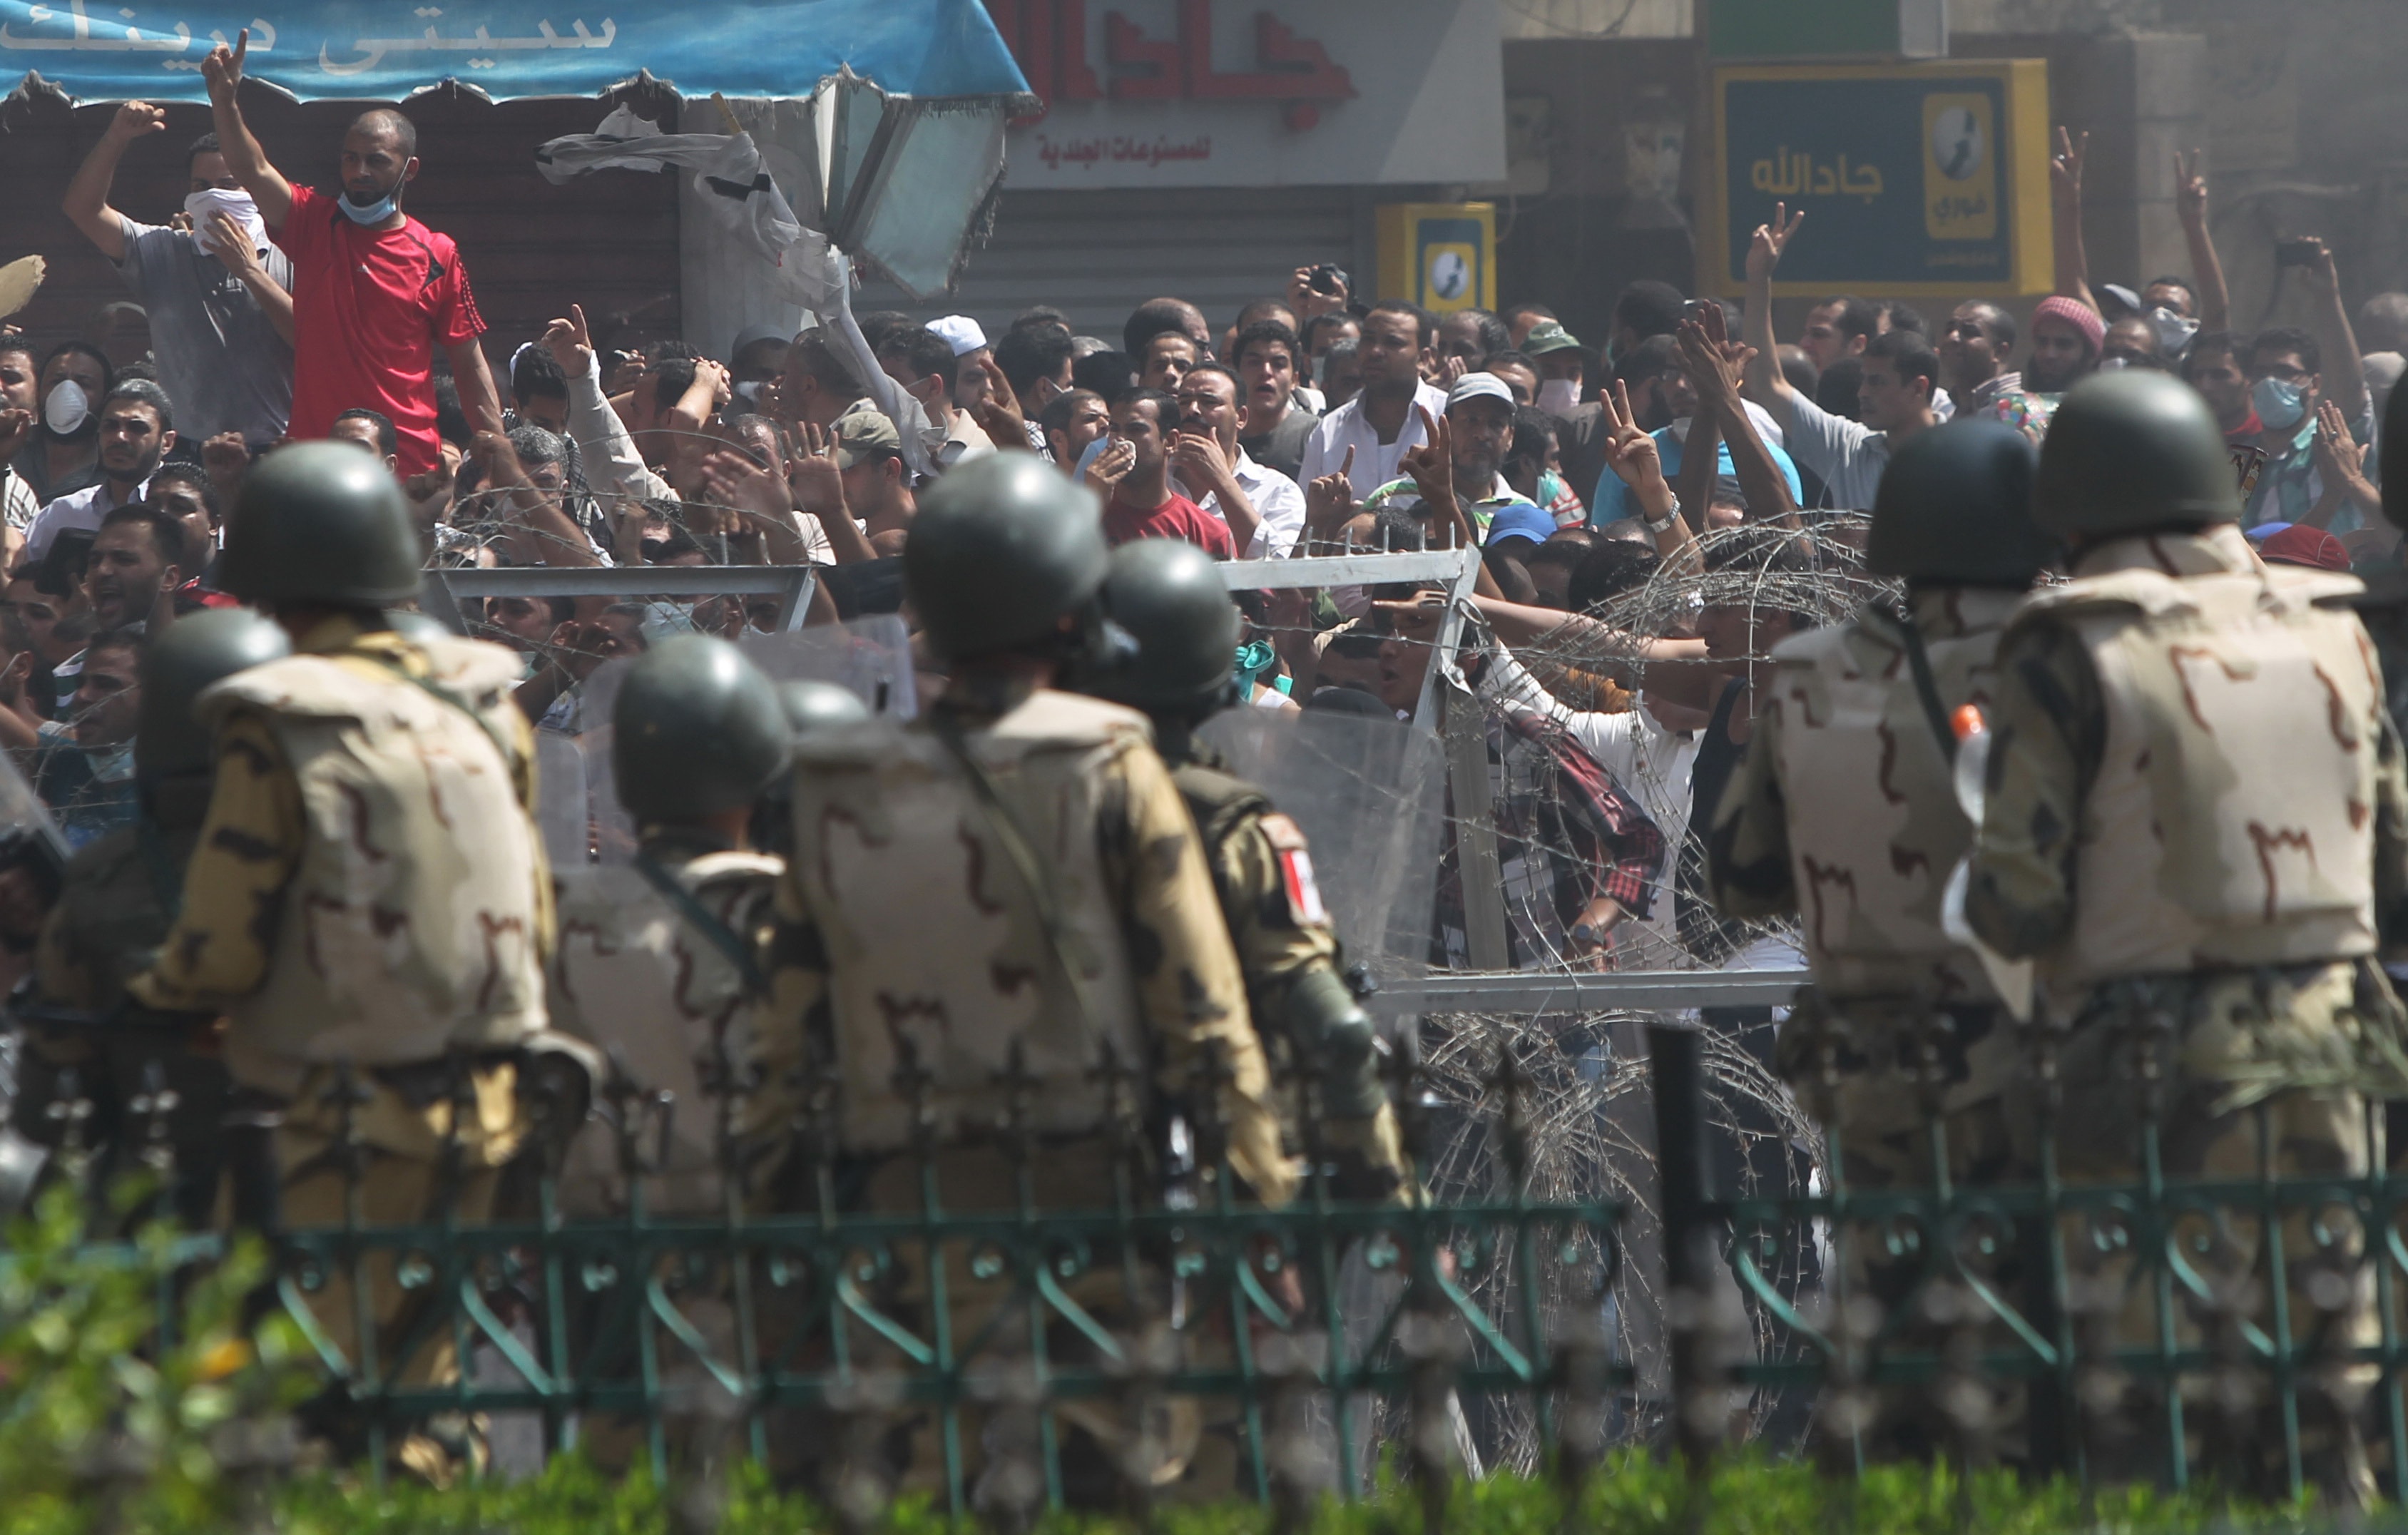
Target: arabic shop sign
{"points": [[1915, 179], [384, 49], [1237, 92]]}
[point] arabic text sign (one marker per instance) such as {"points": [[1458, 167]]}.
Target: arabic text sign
{"points": [[384, 49], [1256, 93], [1915, 179]]}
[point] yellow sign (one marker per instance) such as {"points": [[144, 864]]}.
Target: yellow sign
{"points": [[1441, 256], [1961, 176]]}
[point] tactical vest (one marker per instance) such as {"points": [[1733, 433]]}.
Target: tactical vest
{"points": [[413, 922], [1874, 828], [2232, 822], [932, 936], [1219, 803], [632, 977]]}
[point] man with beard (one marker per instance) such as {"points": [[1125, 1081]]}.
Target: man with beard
{"points": [[1479, 432], [18, 502], [2067, 340], [1262, 507], [134, 568], [1383, 421], [63, 456], [83, 769], [137, 427], [375, 292]]}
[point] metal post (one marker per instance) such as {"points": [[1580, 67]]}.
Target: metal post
{"points": [[1482, 879], [1676, 1072]]}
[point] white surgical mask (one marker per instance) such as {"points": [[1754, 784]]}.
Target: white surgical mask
{"points": [[236, 205], [66, 409], [1559, 396], [2174, 331]]}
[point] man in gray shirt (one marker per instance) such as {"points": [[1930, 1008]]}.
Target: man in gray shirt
{"points": [[220, 297]]}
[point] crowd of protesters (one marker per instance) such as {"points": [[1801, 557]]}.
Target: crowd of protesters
{"points": [[1313, 421]]}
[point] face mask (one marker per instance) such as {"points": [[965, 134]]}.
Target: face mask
{"points": [[67, 409], [375, 213], [1559, 396], [205, 204], [2174, 331], [1551, 488], [2280, 402], [2114, 365]]}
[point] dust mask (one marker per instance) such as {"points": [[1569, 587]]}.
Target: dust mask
{"points": [[66, 409], [1559, 396]]}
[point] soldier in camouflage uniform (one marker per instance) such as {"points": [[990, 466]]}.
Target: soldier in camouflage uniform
{"points": [[368, 899], [1855, 734], [119, 895], [1166, 593], [2195, 806], [999, 943]]}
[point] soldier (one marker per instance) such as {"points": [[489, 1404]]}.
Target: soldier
{"points": [[999, 942], [2195, 804], [119, 895], [655, 968], [1855, 735], [1167, 595], [809, 706], [367, 903]]}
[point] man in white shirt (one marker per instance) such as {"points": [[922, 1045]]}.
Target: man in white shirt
{"points": [[138, 426], [1384, 418], [1262, 507]]}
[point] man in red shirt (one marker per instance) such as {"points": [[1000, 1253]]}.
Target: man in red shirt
{"points": [[374, 289], [1142, 504]]}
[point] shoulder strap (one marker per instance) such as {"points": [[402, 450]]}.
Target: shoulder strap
{"points": [[1927, 687], [698, 917]]}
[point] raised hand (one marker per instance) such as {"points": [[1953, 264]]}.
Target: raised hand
{"points": [[737, 481], [231, 244], [1715, 366], [998, 413], [2065, 167], [1629, 451], [1329, 500], [1199, 458], [135, 119], [1764, 249], [1431, 465], [570, 343], [2190, 188], [1112, 466], [222, 69], [816, 483]]}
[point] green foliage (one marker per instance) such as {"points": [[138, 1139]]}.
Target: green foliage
{"points": [[103, 1426]]}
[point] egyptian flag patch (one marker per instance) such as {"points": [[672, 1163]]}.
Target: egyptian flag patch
{"points": [[1295, 872]]}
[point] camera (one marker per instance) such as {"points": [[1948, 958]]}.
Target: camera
{"points": [[1327, 278]]}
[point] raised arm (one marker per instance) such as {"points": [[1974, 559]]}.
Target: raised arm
{"points": [[222, 72], [1632, 456], [86, 204], [479, 401], [1765, 384], [2065, 191], [2344, 370], [2206, 268], [1714, 369]]}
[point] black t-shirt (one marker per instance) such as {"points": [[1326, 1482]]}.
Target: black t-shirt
{"points": [[1282, 448]]}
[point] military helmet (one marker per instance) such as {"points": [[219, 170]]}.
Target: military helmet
{"points": [[820, 706], [1954, 509], [321, 521], [2129, 451], [1168, 594], [698, 730], [189, 655], [1002, 550]]}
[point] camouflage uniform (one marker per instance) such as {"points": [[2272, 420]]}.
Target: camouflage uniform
{"points": [[2196, 806], [368, 891], [1844, 735], [912, 939]]}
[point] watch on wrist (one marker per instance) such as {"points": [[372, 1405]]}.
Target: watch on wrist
{"points": [[1652, 525]]}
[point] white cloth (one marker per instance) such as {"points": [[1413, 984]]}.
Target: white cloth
{"points": [[17, 503], [735, 187], [1650, 764], [82, 509], [612, 466], [236, 205], [1376, 463], [1278, 500]]}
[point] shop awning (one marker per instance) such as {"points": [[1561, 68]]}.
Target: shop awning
{"points": [[385, 50]]}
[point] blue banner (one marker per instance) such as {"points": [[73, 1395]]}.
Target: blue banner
{"points": [[384, 50]]}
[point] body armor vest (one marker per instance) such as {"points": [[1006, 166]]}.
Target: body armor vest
{"points": [[2232, 821], [892, 840], [1876, 831], [413, 924]]}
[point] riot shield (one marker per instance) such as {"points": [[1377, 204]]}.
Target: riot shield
{"points": [[1368, 795], [563, 812], [33, 864], [870, 656]]}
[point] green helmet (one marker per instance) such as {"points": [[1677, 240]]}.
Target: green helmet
{"points": [[698, 730], [820, 706], [189, 655], [1002, 550], [2131, 451], [1168, 594], [321, 521], [1954, 509]]}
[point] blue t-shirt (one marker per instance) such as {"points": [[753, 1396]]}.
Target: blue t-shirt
{"points": [[1609, 504]]}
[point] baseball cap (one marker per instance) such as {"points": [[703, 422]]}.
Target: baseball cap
{"points": [[861, 433], [959, 332], [1549, 335], [1520, 520], [752, 334], [1475, 386]]}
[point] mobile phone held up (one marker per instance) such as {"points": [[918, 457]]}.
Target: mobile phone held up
{"points": [[2297, 253]]}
